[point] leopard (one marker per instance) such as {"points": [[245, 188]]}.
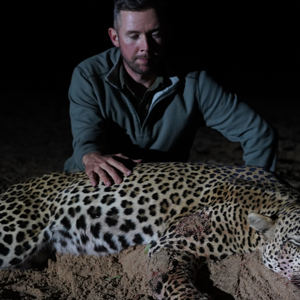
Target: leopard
{"points": [[186, 214]]}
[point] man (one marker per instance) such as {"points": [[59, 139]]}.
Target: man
{"points": [[126, 105]]}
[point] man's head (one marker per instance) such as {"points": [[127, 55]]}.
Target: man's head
{"points": [[137, 5], [139, 33]]}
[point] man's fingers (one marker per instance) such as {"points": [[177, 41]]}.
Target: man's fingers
{"points": [[97, 174], [106, 173], [137, 160], [117, 165], [105, 178], [107, 170], [121, 156], [93, 178]]}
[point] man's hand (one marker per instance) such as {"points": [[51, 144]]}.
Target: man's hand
{"points": [[106, 168]]}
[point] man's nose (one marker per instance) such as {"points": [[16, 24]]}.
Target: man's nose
{"points": [[145, 43]]}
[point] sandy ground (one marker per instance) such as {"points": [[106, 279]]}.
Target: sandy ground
{"points": [[36, 139]]}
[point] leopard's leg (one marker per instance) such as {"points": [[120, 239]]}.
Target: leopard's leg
{"points": [[172, 275]]}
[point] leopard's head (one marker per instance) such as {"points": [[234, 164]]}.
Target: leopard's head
{"points": [[281, 245]]}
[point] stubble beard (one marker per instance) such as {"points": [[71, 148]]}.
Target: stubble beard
{"points": [[138, 69]]}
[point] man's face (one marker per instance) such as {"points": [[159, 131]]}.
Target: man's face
{"points": [[140, 37]]}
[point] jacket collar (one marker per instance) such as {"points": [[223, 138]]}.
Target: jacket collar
{"points": [[113, 76]]}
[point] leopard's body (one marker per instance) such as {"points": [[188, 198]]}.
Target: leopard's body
{"points": [[188, 210]]}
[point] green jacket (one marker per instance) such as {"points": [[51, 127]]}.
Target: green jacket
{"points": [[103, 119]]}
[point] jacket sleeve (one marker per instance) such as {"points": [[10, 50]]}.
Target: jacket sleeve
{"points": [[87, 123], [239, 123]]}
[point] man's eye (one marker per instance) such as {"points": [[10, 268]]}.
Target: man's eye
{"points": [[134, 37], [156, 35]]}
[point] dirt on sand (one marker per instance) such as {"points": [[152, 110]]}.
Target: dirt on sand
{"points": [[37, 140]]}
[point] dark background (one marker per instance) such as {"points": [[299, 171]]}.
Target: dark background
{"points": [[250, 48]]}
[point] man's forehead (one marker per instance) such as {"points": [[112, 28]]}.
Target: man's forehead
{"points": [[138, 20]]}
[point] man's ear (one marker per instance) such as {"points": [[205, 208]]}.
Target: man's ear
{"points": [[264, 225], [113, 36]]}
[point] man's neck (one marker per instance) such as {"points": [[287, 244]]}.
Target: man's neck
{"points": [[139, 89]]}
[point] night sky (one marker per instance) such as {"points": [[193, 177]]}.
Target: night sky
{"points": [[249, 48]]}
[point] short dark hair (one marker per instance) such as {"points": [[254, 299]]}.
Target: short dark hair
{"points": [[138, 5]]}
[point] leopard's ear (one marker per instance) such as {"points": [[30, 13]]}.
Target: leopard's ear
{"points": [[264, 225]]}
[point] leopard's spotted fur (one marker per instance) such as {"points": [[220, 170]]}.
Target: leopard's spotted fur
{"points": [[184, 210]]}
